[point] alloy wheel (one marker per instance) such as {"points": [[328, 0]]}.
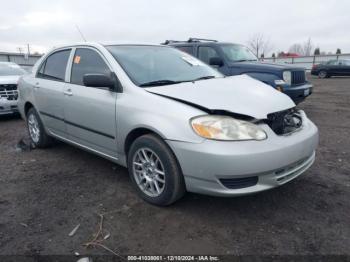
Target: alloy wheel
{"points": [[148, 171], [33, 127], [322, 74]]}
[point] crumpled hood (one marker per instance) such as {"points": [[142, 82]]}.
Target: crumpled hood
{"points": [[237, 94], [6, 80]]}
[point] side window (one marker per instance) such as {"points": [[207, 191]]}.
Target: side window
{"points": [[87, 61], [54, 68], [206, 52], [187, 49]]}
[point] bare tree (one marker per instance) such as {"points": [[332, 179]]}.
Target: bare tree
{"points": [[305, 49], [308, 47], [259, 44], [296, 49]]}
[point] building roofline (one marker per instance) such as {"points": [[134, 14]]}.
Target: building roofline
{"points": [[19, 54]]}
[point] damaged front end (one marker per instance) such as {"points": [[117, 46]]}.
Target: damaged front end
{"points": [[285, 122], [282, 122]]}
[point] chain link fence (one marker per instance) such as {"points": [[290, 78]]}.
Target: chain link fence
{"points": [[306, 61]]}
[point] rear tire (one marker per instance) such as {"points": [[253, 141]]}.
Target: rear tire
{"points": [[323, 74], [36, 130], [154, 171]]}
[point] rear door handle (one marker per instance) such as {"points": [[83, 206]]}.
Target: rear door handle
{"points": [[68, 92]]}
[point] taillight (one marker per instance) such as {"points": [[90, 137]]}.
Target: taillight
{"points": [[314, 66]]}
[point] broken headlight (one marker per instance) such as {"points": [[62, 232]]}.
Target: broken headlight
{"points": [[226, 128]]}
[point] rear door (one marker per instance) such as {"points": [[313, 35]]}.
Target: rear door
{"points": [[335, 68], [48, 85], [89, 111]]}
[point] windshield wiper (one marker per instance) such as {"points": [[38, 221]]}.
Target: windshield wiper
{"points": [[172, 82], [160, 83], [203, 78], [245, 60]]}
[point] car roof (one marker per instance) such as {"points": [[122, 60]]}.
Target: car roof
{"points": [[97, 44], [200, 43]]}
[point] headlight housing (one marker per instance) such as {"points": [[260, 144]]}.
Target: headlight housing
{"points": [[226, 128], [305, 75], [279, 82], [287, 77]]}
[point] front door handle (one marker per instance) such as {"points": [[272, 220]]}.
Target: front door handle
{"points": [[68, 92], [37, 85]]}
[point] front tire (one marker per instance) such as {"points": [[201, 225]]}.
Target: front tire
{"points": [[36, 130], [154, 171], [322, 74]]}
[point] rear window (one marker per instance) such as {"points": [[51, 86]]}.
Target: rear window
{"points": [[186, 49], [54, 67]]}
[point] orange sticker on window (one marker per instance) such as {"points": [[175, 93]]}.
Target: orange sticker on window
{"points": [[76, 59]]}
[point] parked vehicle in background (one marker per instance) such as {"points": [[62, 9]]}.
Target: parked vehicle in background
{"points": [[9, 75], [234, 59], [332, 68], [175, 122]]}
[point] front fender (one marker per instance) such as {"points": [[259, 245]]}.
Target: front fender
{"points": [[168, 118]]}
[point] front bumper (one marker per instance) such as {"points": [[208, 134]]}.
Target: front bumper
{"points": [[298, 93], [8, 106], [274, 161], [314, 72]]}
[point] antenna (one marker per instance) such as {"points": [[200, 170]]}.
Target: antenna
{"points": [[81, 34]]}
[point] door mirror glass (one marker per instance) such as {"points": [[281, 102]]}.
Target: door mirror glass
{"points": [[98, 80], [216, 61]]}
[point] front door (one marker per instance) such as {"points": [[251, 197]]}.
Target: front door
{"points": [[90, 112], [344, 67]]}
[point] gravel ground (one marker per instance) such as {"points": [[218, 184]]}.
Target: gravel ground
{"points": [[44, 194]]}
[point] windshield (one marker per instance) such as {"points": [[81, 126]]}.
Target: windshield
{"points": [[238, 53], [8, 69], [157, 65]]}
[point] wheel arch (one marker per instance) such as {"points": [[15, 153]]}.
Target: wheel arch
{"points": [[136, 133], [28, 105]]}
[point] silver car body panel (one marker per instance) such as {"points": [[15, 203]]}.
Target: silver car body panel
{"points": [[100, 121]]}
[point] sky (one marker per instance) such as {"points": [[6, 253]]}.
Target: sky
{"points": [[44, 24]]}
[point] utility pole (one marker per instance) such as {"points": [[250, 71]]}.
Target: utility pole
{"points": [[28, 49]]}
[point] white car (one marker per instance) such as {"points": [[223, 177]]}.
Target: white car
{"points": [[9, 76]]}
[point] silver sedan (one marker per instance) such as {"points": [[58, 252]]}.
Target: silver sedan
{"points": [[177, 124]]}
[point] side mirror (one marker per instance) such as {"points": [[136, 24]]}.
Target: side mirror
{"points": [[216, 61], [99, 80]]}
